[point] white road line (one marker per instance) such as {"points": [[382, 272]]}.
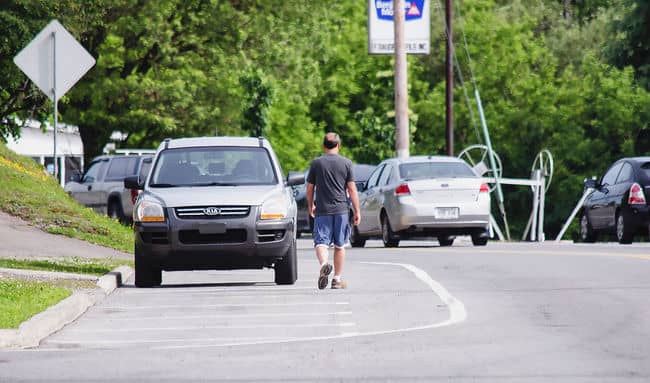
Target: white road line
{"points": [[186, 289], [457, 314], [238, 327], [226, 305], [228, 316]]}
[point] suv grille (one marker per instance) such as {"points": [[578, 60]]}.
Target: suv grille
{"points": [[212, 212]]}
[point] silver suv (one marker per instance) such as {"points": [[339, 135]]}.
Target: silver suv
{"points": [[215, 203], [101, 187]]}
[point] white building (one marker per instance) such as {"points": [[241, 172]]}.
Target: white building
{"points": [[38, 144]]}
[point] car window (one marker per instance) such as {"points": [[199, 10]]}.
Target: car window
{"points": [[610, 177], [374, 177], [145, 167], [94, 171], [205, 166], [626, 174], [415, 170], [120, 167], [385, 176]]}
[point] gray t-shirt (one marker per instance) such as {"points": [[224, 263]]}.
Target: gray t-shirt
{"points": [[330, 173]]}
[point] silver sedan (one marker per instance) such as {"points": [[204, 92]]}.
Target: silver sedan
{"points": [[423, 196]]}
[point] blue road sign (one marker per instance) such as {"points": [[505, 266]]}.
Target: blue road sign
{"points": [[413, 9]]}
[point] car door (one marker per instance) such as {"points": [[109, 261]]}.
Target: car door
{"points": [[369, 204], [85, 191], [602, 207]]}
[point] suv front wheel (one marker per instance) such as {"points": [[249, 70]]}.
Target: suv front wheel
{"points": [[286, 269]]}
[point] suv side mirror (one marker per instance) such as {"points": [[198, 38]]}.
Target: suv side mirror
{"points": [[295, 178], [131, 182]]}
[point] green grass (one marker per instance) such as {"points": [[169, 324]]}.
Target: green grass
{"points": [[90, 266], [28, 192], [20, 300]]}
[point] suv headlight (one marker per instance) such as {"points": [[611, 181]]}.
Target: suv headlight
{"points": [[149, 211], [275, 207]]}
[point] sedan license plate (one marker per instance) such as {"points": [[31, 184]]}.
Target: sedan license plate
{"points": [[446, 212]]}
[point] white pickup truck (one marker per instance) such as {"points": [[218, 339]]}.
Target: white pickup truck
{"points": [[101, 187]]}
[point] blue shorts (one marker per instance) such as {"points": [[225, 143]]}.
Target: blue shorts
{"points": [[331, 229]]}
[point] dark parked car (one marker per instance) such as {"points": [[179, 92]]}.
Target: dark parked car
{"points": [[305, 225], [618, 204]]}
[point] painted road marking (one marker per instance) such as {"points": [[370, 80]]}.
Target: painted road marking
{"points": [[231, 316], [125, 308], [457, 314], [221, 327]]}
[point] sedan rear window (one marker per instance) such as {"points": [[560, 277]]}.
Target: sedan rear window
{"points": [[213, 166], [435, 170]]}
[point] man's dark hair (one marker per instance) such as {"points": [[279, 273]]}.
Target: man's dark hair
{"points": [[331, 140]]}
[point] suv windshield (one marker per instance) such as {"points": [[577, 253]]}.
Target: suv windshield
{"points": [[435, 170], [209, 166]]}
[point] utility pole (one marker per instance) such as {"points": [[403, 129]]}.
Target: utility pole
{"points": [[449, 93], [401, 89]]}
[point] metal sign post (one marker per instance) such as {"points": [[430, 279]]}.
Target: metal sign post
{"points": [[56, 102]]}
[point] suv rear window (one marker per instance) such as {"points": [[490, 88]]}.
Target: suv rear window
{"points": [[436, 170], [207, 166]]}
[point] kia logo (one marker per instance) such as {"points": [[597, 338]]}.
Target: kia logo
{"points": [[211, 211]]}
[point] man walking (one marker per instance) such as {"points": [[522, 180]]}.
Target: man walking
{"points": [[331, 176]]}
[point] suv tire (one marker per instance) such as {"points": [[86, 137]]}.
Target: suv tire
{"points": [[286, 269], [146, 275]]}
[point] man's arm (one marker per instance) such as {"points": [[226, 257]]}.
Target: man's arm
{"points": [[354, 197], [310, 200]]}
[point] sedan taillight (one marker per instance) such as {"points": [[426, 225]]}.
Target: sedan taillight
{"points": [[484, 188], [402, 189], [636, 195]]}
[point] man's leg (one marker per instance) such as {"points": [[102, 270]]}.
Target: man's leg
{"points": [[341, 238], [339, 259], [322, 254], [322, 239]]}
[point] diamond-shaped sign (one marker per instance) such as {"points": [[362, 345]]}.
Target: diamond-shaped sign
{"points": [[54, 48]]}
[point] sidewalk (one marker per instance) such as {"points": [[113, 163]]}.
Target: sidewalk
{"points": [[20, 240]]}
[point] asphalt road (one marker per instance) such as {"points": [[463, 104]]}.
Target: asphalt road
{"points": [[502, 313]]}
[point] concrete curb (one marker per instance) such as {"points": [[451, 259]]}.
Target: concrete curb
{"points": [[31, 332]]}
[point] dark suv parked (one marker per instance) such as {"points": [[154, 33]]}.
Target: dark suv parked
{"points": [[619, 202], [101, 187]]}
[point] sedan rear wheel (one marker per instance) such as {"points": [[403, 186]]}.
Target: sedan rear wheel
{"points": [[624, 232], [480, 238], [387, 234], [446, 240]]}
